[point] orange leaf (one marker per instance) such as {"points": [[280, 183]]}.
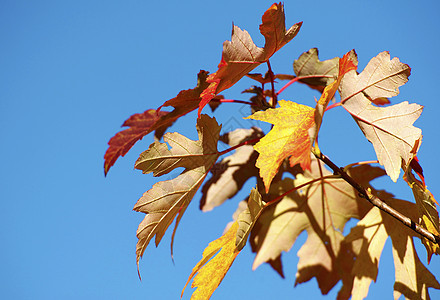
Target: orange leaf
{"points": [[345, 65], [288, 137], [210, 274], [240, 55]]}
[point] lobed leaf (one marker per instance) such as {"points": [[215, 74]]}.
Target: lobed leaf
{"points": [[212, 268], [368, 238], [288, 137], [322, 209], [425, 202], [247, 218], [230, 174], [168, 199], [240, 55], [152, 120], [323, 72], [389, 129], [140, 125]]}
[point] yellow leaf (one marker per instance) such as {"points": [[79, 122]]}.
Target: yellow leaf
{"points": [[210, 274], [288, 137], [427, 210]]}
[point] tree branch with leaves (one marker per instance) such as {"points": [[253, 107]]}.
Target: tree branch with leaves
{"points": [[295, 192]]}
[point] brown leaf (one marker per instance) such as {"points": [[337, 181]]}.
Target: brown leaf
{"points": [[368, 238], [308, 64], [322, 209], [152, 120], [247, 218], [389, 129], [168, 199], [240, 55], [230, 174]]}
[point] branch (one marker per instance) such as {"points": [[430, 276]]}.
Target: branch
{"points": [[365, 193]]}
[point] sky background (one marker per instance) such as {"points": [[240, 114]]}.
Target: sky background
{"points": [[72, 71]]}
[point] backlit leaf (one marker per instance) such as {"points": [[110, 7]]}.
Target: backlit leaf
{"points": [[247, 218], [140, 125], [288, 138], [152, 120], [240, 55], [170, 198], [323, 72], [428, 214], [345, 65], [230, 174], [212, 268], [322, 209], [368, 238], [389, 129]]}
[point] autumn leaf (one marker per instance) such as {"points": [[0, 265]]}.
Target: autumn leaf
{"points": [[240, 55], [389, 129], [212, 268], [152, 120], [322, 209], [345, 65], [368, 238], [230, 174], [140, 125], [428, 214], [321, 73], [170, 198], [288, 137], [247, 218]]}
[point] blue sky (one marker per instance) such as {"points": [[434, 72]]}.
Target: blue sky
{"points": [[72, 71]]}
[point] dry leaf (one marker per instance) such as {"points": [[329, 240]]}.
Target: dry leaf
{"points": [[168, 199], [240, 55]]}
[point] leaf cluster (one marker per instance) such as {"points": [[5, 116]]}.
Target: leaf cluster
{"points": [[295, 192]]}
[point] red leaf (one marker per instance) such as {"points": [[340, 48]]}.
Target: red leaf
{"points": [[152, 120], [240, 55], [140, 125]]}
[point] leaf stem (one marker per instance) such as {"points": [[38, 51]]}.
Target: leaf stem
{"points": [[365, 193], [297, 188], [251, 141], [301, 78], [233, 101], [272, 82]]}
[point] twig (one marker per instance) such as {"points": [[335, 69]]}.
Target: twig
{"points": [[364, 193], [272, 82]]}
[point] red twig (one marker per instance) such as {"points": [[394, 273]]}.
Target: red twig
{"points": [[300, 78], [252, 141], [272, 82]]}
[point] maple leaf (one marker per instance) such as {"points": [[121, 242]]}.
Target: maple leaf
{"points": [[140, 125], [322, 209], [288, 137], [230, 174], [345, 64], [152, 120], [168, 199], [425, 202], [323, 72], [240, 55], [247, 218], [210, 270], [389, 129], [368, 238]]}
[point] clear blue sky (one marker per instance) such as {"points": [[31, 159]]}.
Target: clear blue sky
{"points": [[72, 71]]}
